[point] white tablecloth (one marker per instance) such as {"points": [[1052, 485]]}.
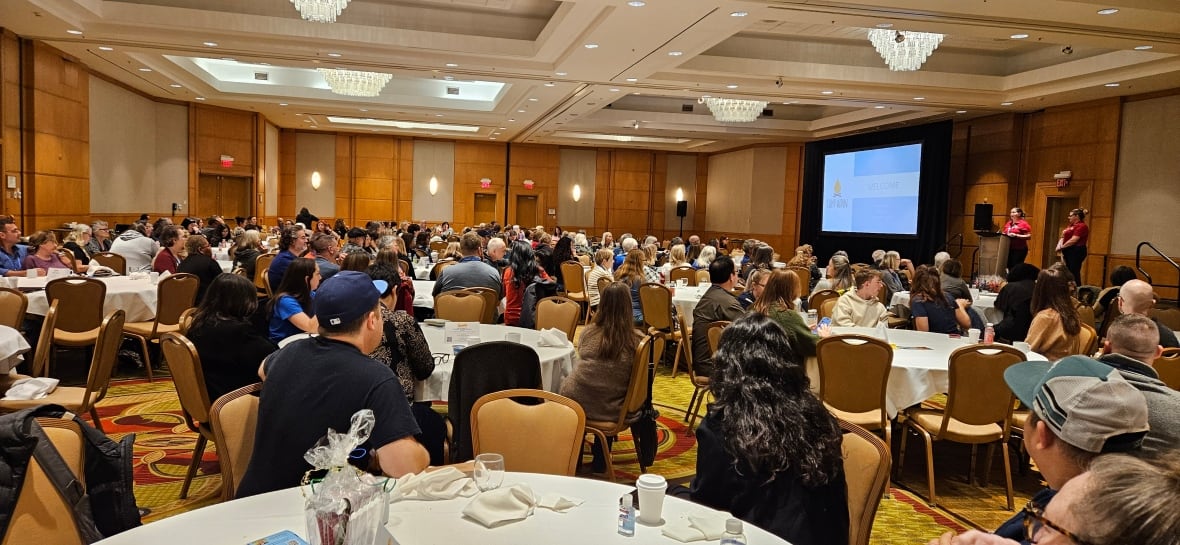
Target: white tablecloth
{"points": [[423, 293], [12, 347], [136, 297], [984, 302], [226, 265], [685, 300], [556, 362], [429, 522], [917, 374], [422, 272]]}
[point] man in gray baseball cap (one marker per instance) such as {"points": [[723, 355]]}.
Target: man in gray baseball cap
{"points": [[1081, 408]]}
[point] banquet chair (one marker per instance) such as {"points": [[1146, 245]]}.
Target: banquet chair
{"points": [[174, 296], [1086, 315], [802, 279], [703, 276], [685, 349], [1167, 316], [702, 383], [67, 257], [1168, 367], [189, 380], [555, 430], [79, 310], [656, 302], [978, 409], [817, 299], [261, 266], [459, 306], [234, 417], [437, 270], [479, 370], [186, 320], [491, 300], [826, 308], [853, 380], [116, 262], [39, 514], [80, 399], [649, 349], [13, 305], [584, 260], [1087, 340], [574, 277], [558, 312], [866, 472], [438, 246], [683, 272]]}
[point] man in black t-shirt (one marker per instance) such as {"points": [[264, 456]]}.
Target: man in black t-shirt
{"points": [[315, 384]]}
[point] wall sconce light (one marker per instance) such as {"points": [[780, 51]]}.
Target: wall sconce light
{"points": [[315, 180], [528, 184], [433, 186], [485, 183], [679, 194], [577, 192]]}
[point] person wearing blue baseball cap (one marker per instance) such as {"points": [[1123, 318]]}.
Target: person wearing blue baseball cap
{"points": [[318, 383]]}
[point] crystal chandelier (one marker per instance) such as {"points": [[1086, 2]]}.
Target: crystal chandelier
{"points": [[320, 11], [732, 110], [355, 83], [904, 50]]}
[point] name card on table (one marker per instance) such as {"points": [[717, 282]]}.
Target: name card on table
{"points": [[464, 333]]}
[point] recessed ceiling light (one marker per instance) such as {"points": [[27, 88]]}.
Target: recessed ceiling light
{"points": [[210, 44], [591, 46], [451, 65], [1142, 47], [510, 120], [1108, 11], [827, 92], [176, 86], [503, 128], [364, 109], [200, 98], [675, 53], [491, 138], [632, 80], [884, 25], [614, 89], [145, 69], [731, 86], [561, 73], [73, 31], [1112, 85], [738, 14], [961, 111], [105, 48], [282, 104], [520, 111], [1005, 104], [533, 99], [1018, 36], [550, 84], [636, 3], [438, 115], [878, 107], [919, 98]]}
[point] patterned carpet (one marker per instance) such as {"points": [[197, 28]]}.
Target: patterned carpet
{"points": [[164, 446]]}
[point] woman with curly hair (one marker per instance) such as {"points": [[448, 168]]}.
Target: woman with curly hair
{"points": [[522, 267], [1054, 332], [768, 451]]}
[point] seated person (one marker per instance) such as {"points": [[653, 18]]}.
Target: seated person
{"points": [[470, 271], [77, 242], [291, 310], [319, 383], [859, 307], [200, 262], [137, 247], [933, 309], [716, 305], [1055, 331], [43, 252], [784, 474], [231, 349], [1109, 296], [517, 278], [777, 299], [1015, 301], [172, 239], [952, 281]]}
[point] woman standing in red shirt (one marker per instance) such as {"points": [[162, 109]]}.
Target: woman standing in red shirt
{"points": [[1072, 244], [1018, 232]]}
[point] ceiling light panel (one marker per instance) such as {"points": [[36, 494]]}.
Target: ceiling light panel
{"points": [[396, 124]]}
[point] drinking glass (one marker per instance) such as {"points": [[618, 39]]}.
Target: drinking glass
{"points": [[489, 471]]}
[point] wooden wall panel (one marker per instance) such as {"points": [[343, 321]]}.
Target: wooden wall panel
{"points": [[345, 184], [376, 178], [10, 133], [56, 186], [474, 161], [985, 168], [540, 164], [286, 174]]}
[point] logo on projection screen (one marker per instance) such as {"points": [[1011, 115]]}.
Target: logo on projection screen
{"points": [[836, 200]]}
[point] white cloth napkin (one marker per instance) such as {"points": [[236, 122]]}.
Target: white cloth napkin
{"points": [[553, 337], [558, 503], [502, 505], [31, 388], [695, 528], [441, 484]]}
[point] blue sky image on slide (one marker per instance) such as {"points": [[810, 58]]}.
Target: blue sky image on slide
{"points": [[872, 191]]}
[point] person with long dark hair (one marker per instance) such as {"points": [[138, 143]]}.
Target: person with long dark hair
{"points": [[1018, 232], [290, 309], [933, 309], [563, 251], [768, 451], [1015, 301], [1072, 244], [231, 348], [605, 356], [1055, 328], [521, 270]]}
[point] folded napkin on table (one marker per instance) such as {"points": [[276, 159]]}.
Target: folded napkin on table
{"points": [[502, 505], [553, 337], [695, 528], [441, 484], [31, 388], [556, 502]]}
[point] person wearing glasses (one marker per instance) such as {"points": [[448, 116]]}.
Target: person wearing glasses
{"points": [[100, 238], [1081, 409], [292, 245]]}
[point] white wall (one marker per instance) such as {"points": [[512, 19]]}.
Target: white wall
{"points": [[1145, 192], [578, 166], [138, 152], [434, 159], [315, 153]]}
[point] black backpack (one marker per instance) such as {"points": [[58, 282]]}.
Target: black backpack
{"points": [[107, 505], [539, 289]]}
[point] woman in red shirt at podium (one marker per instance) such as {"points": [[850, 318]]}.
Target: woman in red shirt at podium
{"points": [[1018, 232]]}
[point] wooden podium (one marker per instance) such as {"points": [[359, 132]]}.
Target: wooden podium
{"points": [[993, 254]]}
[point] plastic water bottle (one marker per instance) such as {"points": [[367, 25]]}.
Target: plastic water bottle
{"points": [[812, 319], [883, 331], [733, 533], [989, 334], [626, 516]]}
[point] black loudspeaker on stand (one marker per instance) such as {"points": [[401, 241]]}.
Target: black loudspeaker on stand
{"points": [[983, 217], [681, 211]]}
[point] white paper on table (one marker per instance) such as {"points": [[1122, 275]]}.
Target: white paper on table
{"points": [[465, 333]]}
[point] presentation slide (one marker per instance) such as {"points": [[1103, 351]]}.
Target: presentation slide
{"points": [[872, 191]]}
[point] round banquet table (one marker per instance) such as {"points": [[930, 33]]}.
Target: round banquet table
{"points": [[135, 296], [427, 522], [12, 348], [920, 365], [985, 302], [556, 362]]}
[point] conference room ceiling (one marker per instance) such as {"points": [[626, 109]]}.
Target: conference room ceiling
{"points": [[524, 71]]}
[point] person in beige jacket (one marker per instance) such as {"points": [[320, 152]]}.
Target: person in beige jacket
{"points": [[860, 307]]}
